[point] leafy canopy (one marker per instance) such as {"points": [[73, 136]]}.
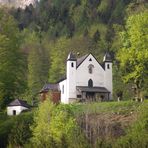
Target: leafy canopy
{"points": [[54, 126], [133, 55]]}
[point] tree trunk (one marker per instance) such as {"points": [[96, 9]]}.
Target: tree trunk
{"points": [[139, 96]]}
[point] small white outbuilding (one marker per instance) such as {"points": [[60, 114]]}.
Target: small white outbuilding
{"points": [[16, 107]]}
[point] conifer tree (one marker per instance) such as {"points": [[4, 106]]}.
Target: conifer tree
{"points": [[12, 75]]}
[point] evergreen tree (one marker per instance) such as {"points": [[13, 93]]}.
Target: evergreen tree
{"points": [[12, 68], [38, 64]]}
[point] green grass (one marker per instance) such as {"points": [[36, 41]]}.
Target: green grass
{"points": [[123, 107]]}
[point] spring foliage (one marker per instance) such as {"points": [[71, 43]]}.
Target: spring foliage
{"points": [[133, 56], [54, 127]]}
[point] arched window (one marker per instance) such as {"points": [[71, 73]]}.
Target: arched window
{"points": [[72, 65], [90, 83], [90, 68]]}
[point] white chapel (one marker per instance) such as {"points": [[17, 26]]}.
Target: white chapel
{"points": [[86, 80]]}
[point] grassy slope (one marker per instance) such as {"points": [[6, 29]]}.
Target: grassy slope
{"points": [[108, 107], [124, 124]]}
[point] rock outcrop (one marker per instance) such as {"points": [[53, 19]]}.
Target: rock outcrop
{"points": [[17, 3]]}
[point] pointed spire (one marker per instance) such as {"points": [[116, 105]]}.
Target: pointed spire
{"points": [[107, 57], [71, 57]]}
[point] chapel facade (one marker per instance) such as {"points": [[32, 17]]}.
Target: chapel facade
{"points": [[86, 80]]}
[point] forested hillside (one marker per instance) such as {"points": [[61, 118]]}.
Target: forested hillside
{"points": [[40, 38], [102, 125], [34, 44]]}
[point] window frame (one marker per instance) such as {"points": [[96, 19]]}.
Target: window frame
{"points": [[90, 68]]}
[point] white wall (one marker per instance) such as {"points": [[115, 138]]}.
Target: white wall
{"points": [[18, 110], [108, 78], [63, 95], [82, 75], [71, 80]]}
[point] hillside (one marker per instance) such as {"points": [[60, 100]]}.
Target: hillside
{"points": [[113, 124], [46, 34], [34, 43]]}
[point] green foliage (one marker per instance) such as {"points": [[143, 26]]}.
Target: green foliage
{"points": [[137, 134], [38, 62], [120, 86], [59, 51], [123, 107], [134, 54], [15, 131], [58, 58], [80, 26], [12, 65], [46, 33], [55, 127], [20, 132], [6, 124]]}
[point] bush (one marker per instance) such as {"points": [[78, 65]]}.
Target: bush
{"points": [[20, 132], [137, 134], [55, 126]]}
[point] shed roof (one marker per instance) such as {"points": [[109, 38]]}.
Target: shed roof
{"points": [[18, 102], [50, 86], [92, 89]]}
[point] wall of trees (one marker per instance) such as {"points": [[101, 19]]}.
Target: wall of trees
{"points": [[35, 41]]}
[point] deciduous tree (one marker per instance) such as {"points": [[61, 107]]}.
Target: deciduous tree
{"points": [[55, 127], [133, 56]]}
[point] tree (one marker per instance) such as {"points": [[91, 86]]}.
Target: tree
{"points": [[59, 51], [38, 63], [133, 55], [54, 126], [20, 132], [12, 66]]}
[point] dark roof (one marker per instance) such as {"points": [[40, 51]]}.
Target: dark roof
{"points": [[18, 102], [61, 79], [80, 60], [49, 86], [92, 89], [71, 57], [107, 57]]}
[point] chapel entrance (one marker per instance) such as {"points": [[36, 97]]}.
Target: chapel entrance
{"points": [[90, 96]]}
